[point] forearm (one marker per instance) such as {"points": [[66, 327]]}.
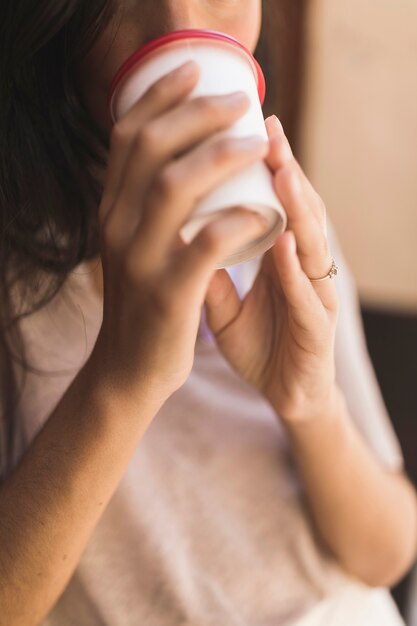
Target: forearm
{"points": [[51, 503], [366, 515]]}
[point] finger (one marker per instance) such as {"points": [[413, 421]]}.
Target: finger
{"points": [[305, 305], [280, 150], [164, 138], [180, 186], [195, 120], [194, 266], [222, 302], [312, 245], [268, 267], [280, 154], [161, 96]]}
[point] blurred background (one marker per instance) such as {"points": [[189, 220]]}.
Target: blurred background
{"points": [[349, 79]]}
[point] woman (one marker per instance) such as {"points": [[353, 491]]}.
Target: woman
{"points": [[233, 469]]}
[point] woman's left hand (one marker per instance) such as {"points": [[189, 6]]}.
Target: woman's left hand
{"points": [[280, 337]]}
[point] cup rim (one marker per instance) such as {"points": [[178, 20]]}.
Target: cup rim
{"points": [[177, 35]]}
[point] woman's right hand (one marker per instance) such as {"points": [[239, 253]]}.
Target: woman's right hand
{"points": [[154, 285]]}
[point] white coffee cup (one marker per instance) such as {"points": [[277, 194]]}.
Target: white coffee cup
{"points": [[225, 66]]}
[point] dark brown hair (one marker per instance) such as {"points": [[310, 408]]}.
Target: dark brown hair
{"points": [[49, 144]]}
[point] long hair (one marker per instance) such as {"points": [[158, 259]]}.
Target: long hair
{"points": [[50, 145]]}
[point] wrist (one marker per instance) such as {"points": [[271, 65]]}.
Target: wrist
{"points": [[328, 408], [317, 427], [117, 399]]}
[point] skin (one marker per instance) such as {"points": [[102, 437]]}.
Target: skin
{"points": [[51, 503], [296, 373], [133, 26]]}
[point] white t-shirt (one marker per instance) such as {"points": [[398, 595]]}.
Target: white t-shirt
{"points": [[208, 525]]}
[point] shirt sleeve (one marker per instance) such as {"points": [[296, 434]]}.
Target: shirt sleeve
{"points": [[355, 374]]}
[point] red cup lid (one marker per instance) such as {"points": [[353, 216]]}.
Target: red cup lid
{"points": [[190, 33]]}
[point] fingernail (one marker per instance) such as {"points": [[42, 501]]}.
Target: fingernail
{"points": [[286, 151], [277, 124], [242, 221], [188, 69], [253, 142], [262, 221], [237, 97]]}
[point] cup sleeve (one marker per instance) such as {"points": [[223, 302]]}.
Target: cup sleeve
{"points": [[354, 370]]}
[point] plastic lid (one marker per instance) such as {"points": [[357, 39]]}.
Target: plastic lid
{"points": [[154, 44]]}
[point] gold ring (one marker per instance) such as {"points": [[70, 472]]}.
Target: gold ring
{"points": [[332, 272]]}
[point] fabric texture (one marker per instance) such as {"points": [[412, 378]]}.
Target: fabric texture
{"points": [[208, 525]]}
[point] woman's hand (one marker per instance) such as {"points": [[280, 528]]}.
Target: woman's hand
{"points": [[154, 287], [280, 338]]}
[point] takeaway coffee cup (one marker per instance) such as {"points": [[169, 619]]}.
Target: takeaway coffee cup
{"points": [[225, 66]]}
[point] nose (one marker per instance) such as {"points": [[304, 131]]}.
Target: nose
{"points": [[172, 15]]}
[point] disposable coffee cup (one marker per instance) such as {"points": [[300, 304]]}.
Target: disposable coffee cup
{"points": [[225, 66]]}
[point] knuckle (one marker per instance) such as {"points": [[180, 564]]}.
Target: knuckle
{"points": [[162, 300], [332, 306], [147, 139], [166, 183], [120, 134], [160, 90], [222, 150], [133, 267], [208, 107], [208, 242], [324, 245]]}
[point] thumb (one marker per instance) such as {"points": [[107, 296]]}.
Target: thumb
{"points": [[222, 302]]}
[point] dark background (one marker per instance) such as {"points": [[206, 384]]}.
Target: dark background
{"points": [[392, 344]]}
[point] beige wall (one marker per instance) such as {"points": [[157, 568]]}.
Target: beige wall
{"points": [[359, 138]]}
